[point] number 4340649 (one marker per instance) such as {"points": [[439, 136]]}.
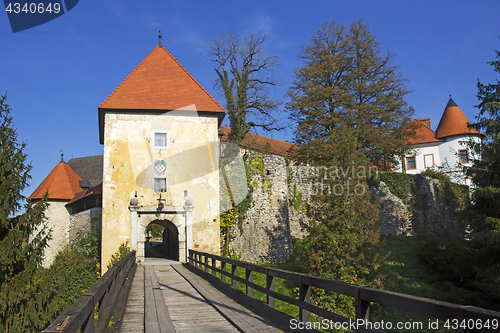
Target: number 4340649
{"points": [[33, 8]]}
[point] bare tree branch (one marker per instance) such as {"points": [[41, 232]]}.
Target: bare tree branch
{"points": [[245, 73]]}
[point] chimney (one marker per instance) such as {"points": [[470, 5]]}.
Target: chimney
{"points": [[426, 122]]}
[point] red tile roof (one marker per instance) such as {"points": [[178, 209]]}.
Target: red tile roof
{"points": [[258, 143], [61, 183], [423, 133], [160, 82], [453, 122], [86, 193]]}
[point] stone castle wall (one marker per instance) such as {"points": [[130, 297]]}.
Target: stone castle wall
{"points": [[84, 221], [264, 235], [278, 211], [65, 228]]}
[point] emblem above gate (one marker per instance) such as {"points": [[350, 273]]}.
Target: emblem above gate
{"points": [[160, 166]]}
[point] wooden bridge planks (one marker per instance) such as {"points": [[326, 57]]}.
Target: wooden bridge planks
{"points": [[170, 298], [241, 317], [188, 310], [133, 318]]}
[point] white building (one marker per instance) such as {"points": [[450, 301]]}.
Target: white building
{"points": [[446, 147]]}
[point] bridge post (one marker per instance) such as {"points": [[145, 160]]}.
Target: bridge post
{"points": [[270, 286], [205, 263], [234, 272], [305, 296], [248, 278], [362, 307], [223, 269], [214, 266]]}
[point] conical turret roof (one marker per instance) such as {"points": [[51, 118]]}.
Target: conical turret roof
{"points": [[61, 183], [453, 122]]}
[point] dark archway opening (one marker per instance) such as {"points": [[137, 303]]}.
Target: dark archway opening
{"points": [[164, 246]]}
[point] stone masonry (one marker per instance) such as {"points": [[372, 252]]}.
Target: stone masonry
{"points": [[264, 235], [279, 210]]}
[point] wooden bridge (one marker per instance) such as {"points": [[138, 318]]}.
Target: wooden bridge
{"points": [[165, 296]]}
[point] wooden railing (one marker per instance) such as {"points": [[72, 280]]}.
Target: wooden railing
{"points": [[460, 318], [105, 293]]}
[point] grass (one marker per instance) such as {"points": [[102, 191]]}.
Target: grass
{"points": [[281, 286], [403, 272]]}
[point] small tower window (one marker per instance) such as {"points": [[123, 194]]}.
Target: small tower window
{"points": [[463, 156], [160, 140], [160, 185]]}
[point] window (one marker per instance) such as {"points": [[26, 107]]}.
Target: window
{"points": [[160, 185], [410, 163], [463, 156], [160, 140], [429, 161]]}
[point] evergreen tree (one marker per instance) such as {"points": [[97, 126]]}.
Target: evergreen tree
{"points": [[245, 75], [473, 261], [347, 88], [485, 171], [23, 237], [486, 166]]}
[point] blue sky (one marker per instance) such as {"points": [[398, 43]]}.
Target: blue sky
{"points": [[58, 73]]}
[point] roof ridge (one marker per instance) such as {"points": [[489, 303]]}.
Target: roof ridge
{"points": [[127, 77], [424, 125], [124, 81], [192, 77]]}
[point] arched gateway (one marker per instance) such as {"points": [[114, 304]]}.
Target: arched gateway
{"points": [[178, 223], [170, 239], [159, 129]]}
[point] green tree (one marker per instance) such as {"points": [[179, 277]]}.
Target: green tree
{"points": [[74, 270], [343, 241], [245, 74], [485, 172], [486, 164], [472, 261], [347, 88], [23, 237]]}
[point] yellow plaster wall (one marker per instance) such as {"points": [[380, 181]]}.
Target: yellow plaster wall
{"points": [[192, 166]]}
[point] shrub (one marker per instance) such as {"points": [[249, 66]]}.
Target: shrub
{"points": [[122, 251]]}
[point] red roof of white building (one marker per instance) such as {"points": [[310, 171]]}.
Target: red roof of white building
{"points": [[423, 132], [453, 122]]}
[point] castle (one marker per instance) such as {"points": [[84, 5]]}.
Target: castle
{"points": [[161, 134], [160, 130]]}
